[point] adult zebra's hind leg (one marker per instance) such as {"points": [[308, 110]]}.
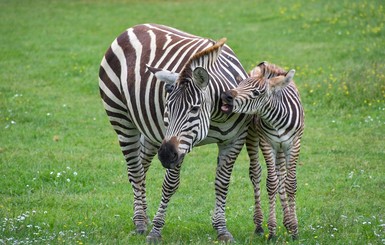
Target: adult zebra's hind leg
{"points": [[255, 174]]}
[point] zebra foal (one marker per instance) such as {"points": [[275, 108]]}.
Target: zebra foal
{"points": [[161, 90], [271, 94]]}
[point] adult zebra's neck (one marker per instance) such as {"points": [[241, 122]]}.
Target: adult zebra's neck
{"points": [[226, 74]]}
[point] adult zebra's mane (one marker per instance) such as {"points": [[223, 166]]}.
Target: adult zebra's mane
{"points": [[205, 58]]}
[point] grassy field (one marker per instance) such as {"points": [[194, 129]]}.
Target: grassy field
{"points": [[62, 175]]}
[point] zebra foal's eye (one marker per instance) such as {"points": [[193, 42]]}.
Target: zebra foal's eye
{"points": [[256, 92]]}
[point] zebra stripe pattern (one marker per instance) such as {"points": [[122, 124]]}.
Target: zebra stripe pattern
{"points": [[140, 65], [271, 94]]}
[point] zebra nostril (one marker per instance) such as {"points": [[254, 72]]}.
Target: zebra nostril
{"points": [[168, 155]]}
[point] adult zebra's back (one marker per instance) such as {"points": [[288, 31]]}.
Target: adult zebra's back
{"points": [[135, 100]]}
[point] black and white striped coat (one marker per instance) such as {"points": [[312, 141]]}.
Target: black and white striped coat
{"points": [[132, 85]]}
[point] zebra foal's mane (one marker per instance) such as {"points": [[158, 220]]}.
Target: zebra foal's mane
{"points": [[268, 70]]}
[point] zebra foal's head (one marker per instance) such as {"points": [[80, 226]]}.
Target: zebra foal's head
{"points": [[188, 107], [256, 91]]}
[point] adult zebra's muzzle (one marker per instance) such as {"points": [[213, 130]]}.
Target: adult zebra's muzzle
{"points": [[169, 155], [228, 101]]}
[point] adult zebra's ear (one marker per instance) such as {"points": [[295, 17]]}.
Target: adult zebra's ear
{"points": [[281, 82], [166, 76], [201, 77]]}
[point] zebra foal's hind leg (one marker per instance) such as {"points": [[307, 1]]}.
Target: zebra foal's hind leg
{"points": [[282, 173], [291, 183]]}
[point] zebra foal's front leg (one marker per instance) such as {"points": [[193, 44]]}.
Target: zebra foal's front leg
{"points": [[169, 187], [272, 185], [255, 174]]}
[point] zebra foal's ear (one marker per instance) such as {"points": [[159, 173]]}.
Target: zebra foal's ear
{"points": [[201, 77], [281, 81], [166, 76]]}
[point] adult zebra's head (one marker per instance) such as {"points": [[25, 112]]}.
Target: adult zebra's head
{"points": [[188, 107], [253, 93]]}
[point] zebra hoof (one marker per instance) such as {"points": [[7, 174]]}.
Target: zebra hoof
{"points": [[259, 231], [294, 237], [225, 237], [141, 229], [272, 237], [153, 238]]}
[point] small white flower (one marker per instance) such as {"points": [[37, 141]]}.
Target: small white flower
{"points": [[58, 175], [75, 173], [68, 180], [350, 176], [48, 114]]}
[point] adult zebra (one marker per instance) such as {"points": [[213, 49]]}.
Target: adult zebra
{"points": [[271, 94], [197, 71]]}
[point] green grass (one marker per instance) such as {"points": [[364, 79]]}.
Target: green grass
{"points": [[62, 175]]}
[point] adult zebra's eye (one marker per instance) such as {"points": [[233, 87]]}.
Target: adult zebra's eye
{"points": [[256, 92], [194, 109]]}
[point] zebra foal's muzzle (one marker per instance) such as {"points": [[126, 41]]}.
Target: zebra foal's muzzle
{"points": [[228, 101], [169, 155]]}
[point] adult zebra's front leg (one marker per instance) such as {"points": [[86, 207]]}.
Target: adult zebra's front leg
{"points": [[169, 187], [147, 152], [129, 140], [226, 159]]}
